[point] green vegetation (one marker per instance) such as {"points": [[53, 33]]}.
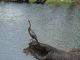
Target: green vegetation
{"points": [[56, 1], [32, 1]]}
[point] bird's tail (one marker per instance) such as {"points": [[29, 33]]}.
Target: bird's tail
{"points": [[37, 41]]}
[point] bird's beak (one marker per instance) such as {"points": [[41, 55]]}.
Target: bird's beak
{"points": [[29, 21]]}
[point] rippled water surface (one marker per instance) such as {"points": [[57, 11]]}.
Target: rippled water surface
{"points": [[58, 26]]}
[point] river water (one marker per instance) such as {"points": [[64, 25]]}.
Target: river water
{"points": [[56, 25]]}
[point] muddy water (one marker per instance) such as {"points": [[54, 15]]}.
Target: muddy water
{"points": [[58, 26]]}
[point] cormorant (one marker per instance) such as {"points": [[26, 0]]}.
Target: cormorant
{"points": [[32, 34]]}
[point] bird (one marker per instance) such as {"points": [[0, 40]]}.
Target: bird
{"points": [[32, 33]]}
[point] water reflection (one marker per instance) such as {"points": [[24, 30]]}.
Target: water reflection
{"points": [[58, 26]]}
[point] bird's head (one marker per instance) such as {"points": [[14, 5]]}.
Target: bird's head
{"points": [[29, 23]]}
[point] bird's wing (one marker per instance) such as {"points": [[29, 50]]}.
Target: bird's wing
{"points": [[32, 32]]}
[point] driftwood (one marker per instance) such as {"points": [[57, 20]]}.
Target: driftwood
{"points": [[46, 52]]}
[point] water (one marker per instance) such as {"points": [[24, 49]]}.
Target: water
{"points": [[58, 26]]}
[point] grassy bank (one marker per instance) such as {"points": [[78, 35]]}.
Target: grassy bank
{"points": [[55, 1], [58, 1]]}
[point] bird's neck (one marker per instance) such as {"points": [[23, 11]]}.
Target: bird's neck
{"points": [[29, 28]]}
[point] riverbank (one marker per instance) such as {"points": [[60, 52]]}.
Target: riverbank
{"points": [[55, 1], [46, 2], [59, 1]]}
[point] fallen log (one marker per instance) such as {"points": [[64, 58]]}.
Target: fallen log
{"points": [[46, 52]]}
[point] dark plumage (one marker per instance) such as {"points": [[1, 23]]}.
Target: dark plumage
{"points": [[32, 34]]}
